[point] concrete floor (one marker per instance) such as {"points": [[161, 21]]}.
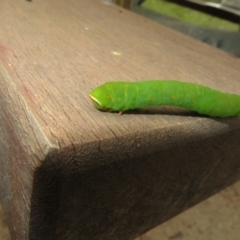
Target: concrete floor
{"points": [[217, 218]]}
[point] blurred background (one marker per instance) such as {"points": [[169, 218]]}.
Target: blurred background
{"points": [[214, 22]]}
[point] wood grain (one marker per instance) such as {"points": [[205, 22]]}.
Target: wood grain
{"points": [[72, 172]]}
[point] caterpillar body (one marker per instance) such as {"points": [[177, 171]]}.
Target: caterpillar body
{"points": [[122, 96]]}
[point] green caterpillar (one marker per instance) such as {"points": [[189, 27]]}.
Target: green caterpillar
{"points": [[122, 96]]}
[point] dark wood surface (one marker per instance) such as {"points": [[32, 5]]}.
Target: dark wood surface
{"points": [[69, 171]]}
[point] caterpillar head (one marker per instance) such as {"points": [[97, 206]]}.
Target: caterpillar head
{"points": [[101, 98]]}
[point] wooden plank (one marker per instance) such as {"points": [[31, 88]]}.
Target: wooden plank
{"points": [[69, 171]]}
